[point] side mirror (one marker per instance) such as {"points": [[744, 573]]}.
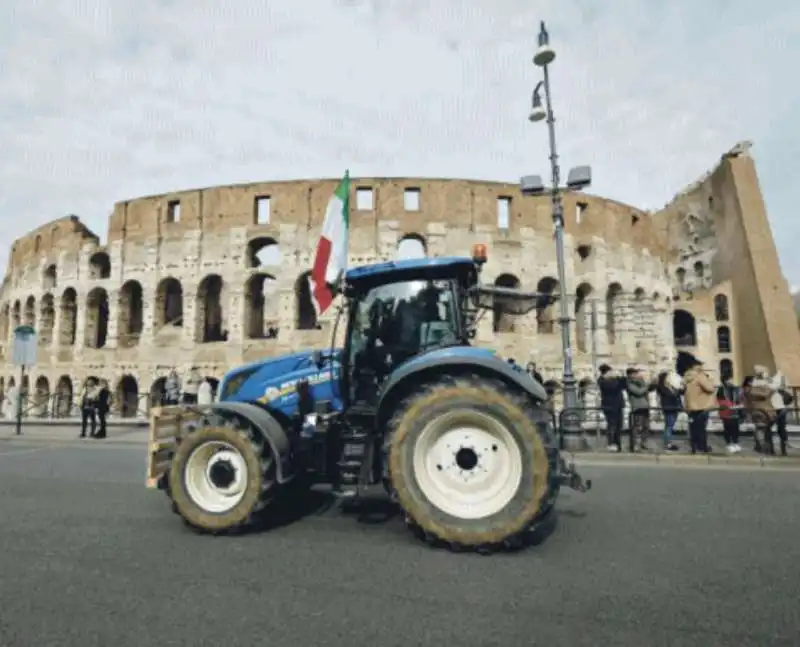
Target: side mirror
{"points": [[317, 358]]}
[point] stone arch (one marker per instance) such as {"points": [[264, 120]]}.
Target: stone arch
{"points": [[613, 294], [721, 310], [680, 276], [699, 269], [684, 329], [547, 288], [723, 339], [63, 397], [68, 317], [639, 294], [257, 289], [582, 313], [305, 313], [49, 276], [411, 246], [157, 391], [126, 396], [503, 321], [29, 318], [169, 303], [100, 265], [96, 334], [209, 310], [16, 314], [725, 369], [47, 320], [41, 396], [263, 251], [130, 313]]}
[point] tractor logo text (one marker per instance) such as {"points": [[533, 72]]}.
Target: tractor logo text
{"points": [[288, 388]]}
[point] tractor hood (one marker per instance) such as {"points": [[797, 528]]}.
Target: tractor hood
{"points": [[271, 381]]}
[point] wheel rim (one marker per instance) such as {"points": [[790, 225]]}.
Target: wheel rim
{"points": [[216, 476], [467, 464]]}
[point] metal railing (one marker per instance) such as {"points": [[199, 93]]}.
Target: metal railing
{"points": [[589, 424], [58, 406]]}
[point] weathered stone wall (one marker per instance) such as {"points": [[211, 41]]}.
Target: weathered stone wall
{"points": [[178, 283], [722, 249]]}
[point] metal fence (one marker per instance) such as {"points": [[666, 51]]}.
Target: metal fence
{"points": [[589, 424], [61, 406]]}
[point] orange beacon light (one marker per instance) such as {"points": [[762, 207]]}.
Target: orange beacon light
{"points": [[479, 253]]}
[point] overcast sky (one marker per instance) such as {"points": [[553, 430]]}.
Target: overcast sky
{"points": [[103, 101]]}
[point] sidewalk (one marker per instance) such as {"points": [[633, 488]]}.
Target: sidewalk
{"points": [[70, 434], [71, 422], [591, 452]]}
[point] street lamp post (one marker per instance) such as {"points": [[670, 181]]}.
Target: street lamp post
{"points": [[578, 178]]}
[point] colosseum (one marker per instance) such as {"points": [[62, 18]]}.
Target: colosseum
{"points": [[218, 276]]}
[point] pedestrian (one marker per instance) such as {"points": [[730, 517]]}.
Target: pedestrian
{"points": [[669, 397], [88, 418], [102, 407], [612, 402], [191, 386], [729, 399], [768, 396], [782, 418], [205, 394], [700, 401], [536, 375], [172, 389], [754, 403], [638, 390]]}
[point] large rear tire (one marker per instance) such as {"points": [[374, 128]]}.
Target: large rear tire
{"points": [[222, 476], [468, 463]]}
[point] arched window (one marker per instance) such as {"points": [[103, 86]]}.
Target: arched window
{"points": [[723, 339], [684, 329]]}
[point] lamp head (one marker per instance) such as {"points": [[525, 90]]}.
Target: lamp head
{"points": [[538, 113], [545, 54]]}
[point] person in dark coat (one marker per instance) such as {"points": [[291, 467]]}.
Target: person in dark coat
{"points": [[671, 405], [536, 375], [729, 399], [88, 419], [612, 402], [102, 406]]}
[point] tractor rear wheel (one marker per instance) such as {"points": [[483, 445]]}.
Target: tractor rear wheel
{"points": [[468, 463], [222, 475]]}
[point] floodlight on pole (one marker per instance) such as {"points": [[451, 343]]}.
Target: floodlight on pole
{"points": [[538, 113]]}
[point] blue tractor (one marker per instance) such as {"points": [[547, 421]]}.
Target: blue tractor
{"points": [[459, 437]]}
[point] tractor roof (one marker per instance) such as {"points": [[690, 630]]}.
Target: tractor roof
{"points": [[410, 270]]}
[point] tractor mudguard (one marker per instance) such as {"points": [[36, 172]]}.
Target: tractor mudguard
{"points": [[446, 359], [272, 431]]}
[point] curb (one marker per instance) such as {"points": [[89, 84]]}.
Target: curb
{"points": [[78, 442], [767, 462]]}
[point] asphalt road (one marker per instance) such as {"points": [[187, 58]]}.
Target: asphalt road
{"points": [[652, 556]]}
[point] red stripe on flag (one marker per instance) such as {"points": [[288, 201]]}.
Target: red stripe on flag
{"points": [[321, 292]]}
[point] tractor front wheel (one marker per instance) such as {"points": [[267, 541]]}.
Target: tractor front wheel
{"points": [[222, 475], [468, 463]]}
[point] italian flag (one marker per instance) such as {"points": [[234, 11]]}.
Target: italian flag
{"points": [[331, 259]]}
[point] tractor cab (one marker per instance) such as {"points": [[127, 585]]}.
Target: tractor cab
{"points": [[400, 310]]}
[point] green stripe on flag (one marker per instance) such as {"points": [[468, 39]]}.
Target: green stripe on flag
{"points": [[343, 193]]}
